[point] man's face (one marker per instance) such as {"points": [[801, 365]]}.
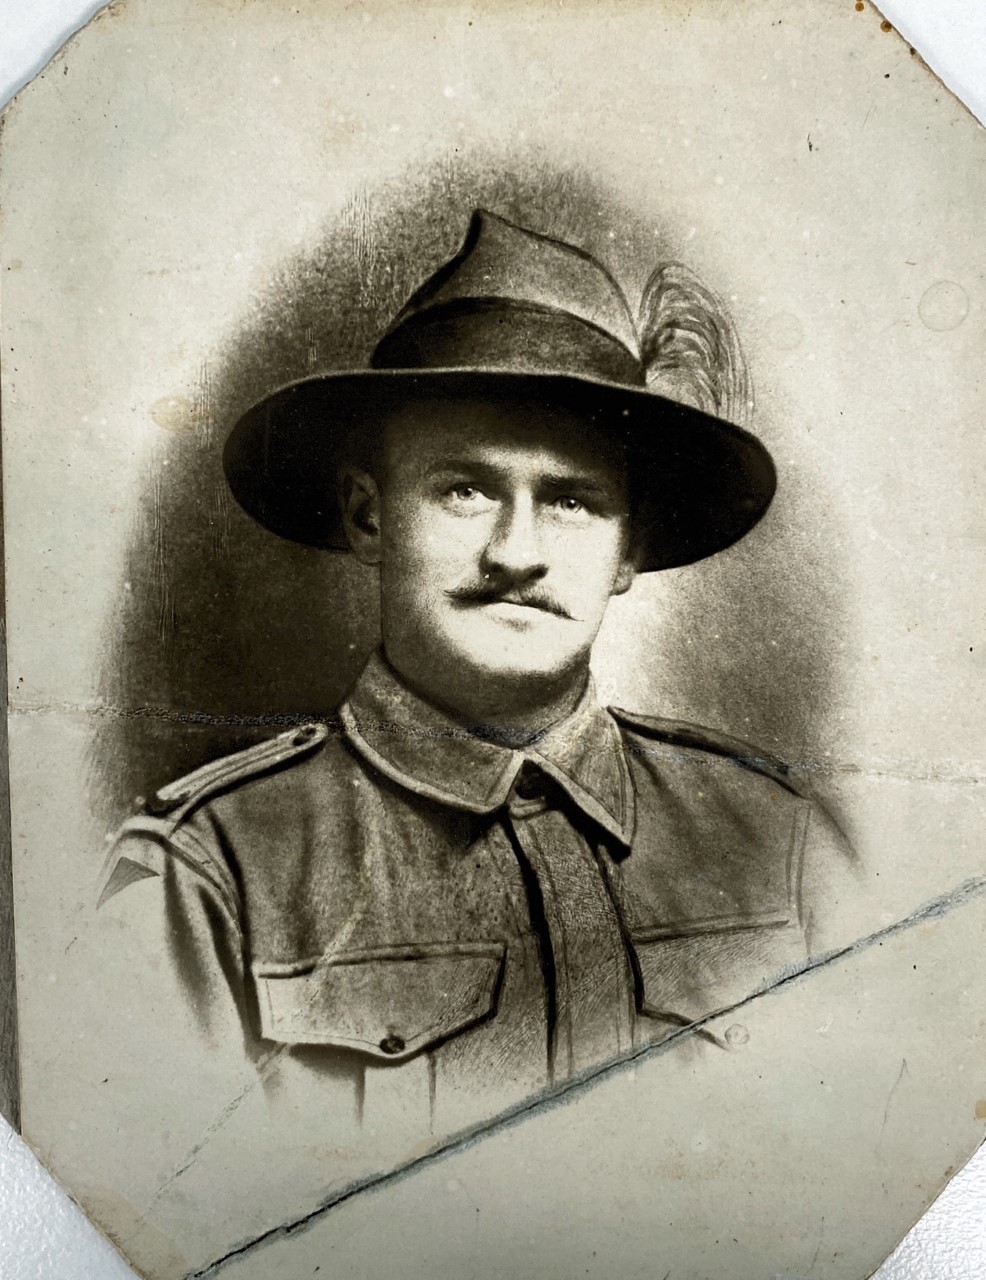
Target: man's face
{"points": [[503, 531]]}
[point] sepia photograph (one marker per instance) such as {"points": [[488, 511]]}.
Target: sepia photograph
{"points": [[494, 561]]}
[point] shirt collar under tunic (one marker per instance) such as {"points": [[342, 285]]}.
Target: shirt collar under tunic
{"points": [[425, 750]]}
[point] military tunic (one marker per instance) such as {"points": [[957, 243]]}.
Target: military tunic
{"points": [[435, 921]]}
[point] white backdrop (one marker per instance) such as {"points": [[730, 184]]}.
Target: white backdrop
{"points": [[42, 1234]]}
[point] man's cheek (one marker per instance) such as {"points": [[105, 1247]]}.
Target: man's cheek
{"points": [[454, 544], [424, 541], [440, 564]]}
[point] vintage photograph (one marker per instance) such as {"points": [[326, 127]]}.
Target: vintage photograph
{"points": [[474, 861], [493, 544]]}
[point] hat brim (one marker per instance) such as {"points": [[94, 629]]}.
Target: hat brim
{"points": [[699, 483]]}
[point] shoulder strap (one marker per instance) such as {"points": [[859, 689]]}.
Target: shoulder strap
{"points": [[695, 737], [218, 775], [135, 851]]}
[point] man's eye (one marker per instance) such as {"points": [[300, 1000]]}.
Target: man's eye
{"points": [[467, 498], [571, 506]]}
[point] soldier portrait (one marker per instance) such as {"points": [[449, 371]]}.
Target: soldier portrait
{"points": [[475, 879]]}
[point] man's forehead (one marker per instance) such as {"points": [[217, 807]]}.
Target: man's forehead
{"points": [[463, 429]]}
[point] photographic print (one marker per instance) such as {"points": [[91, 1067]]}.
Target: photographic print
{"points": [[493, 575]]}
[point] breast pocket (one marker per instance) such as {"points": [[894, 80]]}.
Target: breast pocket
{"points": [[695, 971], [387, 1002]]}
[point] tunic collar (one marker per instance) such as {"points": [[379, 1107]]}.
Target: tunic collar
{"points": [[421, 748]]}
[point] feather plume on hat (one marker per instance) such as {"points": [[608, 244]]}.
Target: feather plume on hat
{"points": [[690, 347]]}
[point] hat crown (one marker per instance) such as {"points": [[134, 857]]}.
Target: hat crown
{"points": [[515, 300]]}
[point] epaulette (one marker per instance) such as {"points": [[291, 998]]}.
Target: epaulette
{"points": [[695, 737], [218, 775]]}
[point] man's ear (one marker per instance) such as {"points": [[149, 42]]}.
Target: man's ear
{"points": [[359, 502], [629, 566], [625, 576]]}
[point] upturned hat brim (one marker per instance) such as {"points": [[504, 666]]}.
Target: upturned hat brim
{"points": [[699, 483]]}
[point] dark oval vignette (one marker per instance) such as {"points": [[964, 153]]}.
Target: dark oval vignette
{"points": [[227, 634]]}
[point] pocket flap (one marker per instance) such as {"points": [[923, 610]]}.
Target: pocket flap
{"points": [[390, 1002], [693, 974]]}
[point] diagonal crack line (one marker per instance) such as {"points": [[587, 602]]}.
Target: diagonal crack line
{"points": [[960, 896], [893, 1089]]}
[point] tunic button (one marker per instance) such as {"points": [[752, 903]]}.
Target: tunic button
{"points": [[392, 1044]]}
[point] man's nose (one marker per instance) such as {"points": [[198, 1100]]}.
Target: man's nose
{"points": [[515, 546]]}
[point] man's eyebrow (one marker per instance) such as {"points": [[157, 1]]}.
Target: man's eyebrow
{"points": [[475, 466], [553, 479], [577, 480]]}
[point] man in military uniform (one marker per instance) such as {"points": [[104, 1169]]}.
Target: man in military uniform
{"points": [[478, 883]]}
